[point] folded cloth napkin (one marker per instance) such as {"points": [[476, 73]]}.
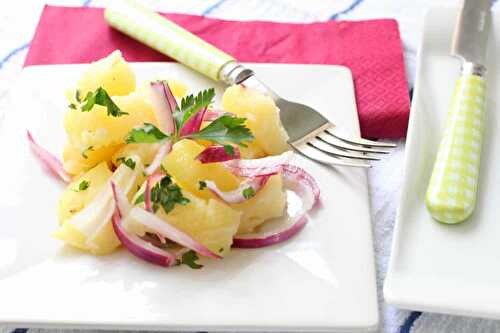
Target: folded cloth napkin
{"points": [[371, 49]]}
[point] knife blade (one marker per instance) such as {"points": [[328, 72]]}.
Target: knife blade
{"points": [[451, 194], [471, 32]]}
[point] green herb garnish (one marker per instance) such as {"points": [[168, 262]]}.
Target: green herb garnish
{"points": [[191, 105], [86, 150], [140, 199], [167, 194], [149, 133], [225, 129], [101, 97], [248, 192], [84, 184], [189, 258], [130, 163], [229, 150], [202, 185]]}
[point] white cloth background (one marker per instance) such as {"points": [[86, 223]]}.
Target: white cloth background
{"points": [[18, 20]]}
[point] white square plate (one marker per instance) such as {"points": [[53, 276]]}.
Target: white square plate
{"points": [[322, 280], [435, 267]]}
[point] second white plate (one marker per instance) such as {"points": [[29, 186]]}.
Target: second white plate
{"points": [[435, 267]]}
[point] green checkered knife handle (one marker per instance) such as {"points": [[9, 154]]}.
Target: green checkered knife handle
{"points": [[166, 37], [451, 195]]}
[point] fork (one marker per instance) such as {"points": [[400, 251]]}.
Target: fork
{"points": [[310, 133]]}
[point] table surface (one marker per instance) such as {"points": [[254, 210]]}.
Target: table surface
{"points": [[17, 24]]}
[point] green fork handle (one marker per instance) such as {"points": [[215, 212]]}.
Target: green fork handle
{"points": [[166, 37], [451, 195]]}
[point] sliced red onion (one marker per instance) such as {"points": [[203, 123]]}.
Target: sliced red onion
{"points": [[160, 155], [299, 181], [237, 196], [123, 207], [194, 123], [141, 248], [162, 227], [217, 153], [136, 245], [213, 114], [153, 179], [164, 106], [50, 161], [259, 167]]}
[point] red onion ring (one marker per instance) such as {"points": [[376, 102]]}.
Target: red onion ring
{"points": [[133, 243], [259, 167], [141, 248], [194, 123], [162, 227], [52, 163], [213, 114], [236, 196], [217, 153], [164, 105], [299, 181]]}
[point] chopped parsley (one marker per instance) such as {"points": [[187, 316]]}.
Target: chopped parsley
{"points": [[149, 133], [202, 185], [225, 130], [191, 105], [130, 163], [84, 184], [140, 199], [86, 150], [189, 258], [248, 192], [100, 97], [167, 194]]}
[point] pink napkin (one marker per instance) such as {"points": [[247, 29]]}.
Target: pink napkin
{"points": [[371, 49]]}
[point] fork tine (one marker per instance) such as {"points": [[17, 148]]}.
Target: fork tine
{"points": [[326, 148], [358, 141], [337, 143], [318, 156]]}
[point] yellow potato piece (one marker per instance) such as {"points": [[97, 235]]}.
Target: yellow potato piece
{"points": [[75, 162], [188, 172], [210, 222], [268, 203], [96, 128], [146, 151], [262, 117], [91, 229], [72, 200], [112, 73]]}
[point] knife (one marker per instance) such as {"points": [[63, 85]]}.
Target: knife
{"points": [[451, 195]]}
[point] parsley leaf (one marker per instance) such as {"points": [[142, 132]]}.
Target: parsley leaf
{"points": [[191, 105], [229, 150], [86, 150], [101, 97], [189, 258], [202, 185], [72, 106], [84, 184], [130, 163], [166, 194], [78, 96], [149, 133], [140, 199], [225, 129], [248, 192]]}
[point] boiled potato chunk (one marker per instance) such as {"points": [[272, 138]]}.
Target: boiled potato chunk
{"points": [[75, 162], [74, 200], [112, 73], [267, 204], [146, 151], [188, 172], [96, 128], [262, 117], [210, 222], [91, 229]]}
